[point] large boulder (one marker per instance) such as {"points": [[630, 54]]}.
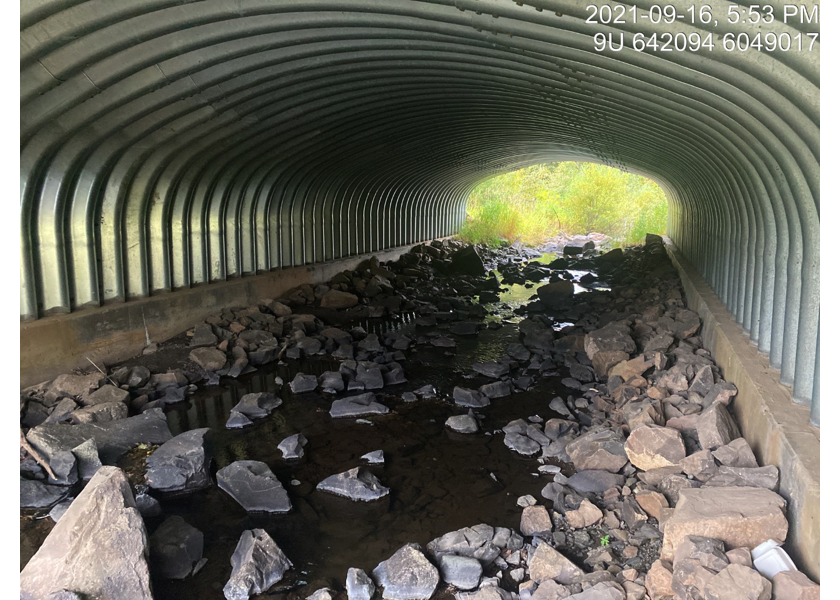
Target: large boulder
{"points": [[257, 405], [209, 359], [652, 447], [113, 438], [546, 563], [98, 549], [407, 575], [258, 563], [338, 299], [738, 516], [466, 262], [254, 486], [481, 542], [354, 484], [555, 294], [357, 406], [598, 450], [181, 464], [176, 548]]}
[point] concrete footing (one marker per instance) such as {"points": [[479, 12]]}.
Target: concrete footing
{"points": [[113, 333], [777, 429]]}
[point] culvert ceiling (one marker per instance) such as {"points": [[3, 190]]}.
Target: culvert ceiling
{"points": [[169, 144]]}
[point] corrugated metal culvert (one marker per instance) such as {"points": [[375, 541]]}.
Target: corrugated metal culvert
{"points": [[167, 144]]}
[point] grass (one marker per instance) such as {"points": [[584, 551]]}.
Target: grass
{"points": [[538, 203]]}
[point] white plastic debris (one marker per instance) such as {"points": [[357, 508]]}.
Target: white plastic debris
{"points": [[769, 558]]}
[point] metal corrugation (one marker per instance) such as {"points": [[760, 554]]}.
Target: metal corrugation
{"points": [[167, 144]]}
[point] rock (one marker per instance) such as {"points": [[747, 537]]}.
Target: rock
{"points": [[628, 369], [370, 375], [604, 590], [322, 594], [653, 447], [700, 465], [554, 295], [303, 383], [764, 477], [257, 405], [258, 563], [462, 572], [614, 337], [113, 438], [740, 556], [359, 585], [354, 484], [203, 336], [87, 459], [462, 423], [587, 514], [708, 552], [546, 563], [147, 505], [63, 465], [254, 486], [690, 579], [94, 561], [469, 398], [549, 590], [105, 394], [99, 413], [738, 516], [598, 450], [74, 386], [292, 446], [466, 262], [736, 453], [652, 503], [521, 444], [589, 482], [407, 575], [478, 542], [338, 300], [34, 494], [237, 420], [794, 585], [720, 393], [535, 519], [59, 509], [357, 406], [377, 457], [559, 406], [486, 592], [208, 359], [176, 548], [497, 389], [716, 427], [737, 582], [331, 380], [181, 464], [493, 370]]}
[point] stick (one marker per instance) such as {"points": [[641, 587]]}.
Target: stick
{"points": [[34, 454], [103, 372]]}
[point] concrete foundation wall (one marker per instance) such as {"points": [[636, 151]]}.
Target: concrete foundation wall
{"points": [[777, 429], [61, 343]]}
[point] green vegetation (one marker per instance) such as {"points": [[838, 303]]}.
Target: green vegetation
{"points": [[541, 202]]}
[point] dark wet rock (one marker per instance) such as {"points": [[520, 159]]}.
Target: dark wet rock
{"points": [[303, 383], [257, 405], [716, 427], [258, 563], [559, 406], [493, 370], [331, 381], [465, 328], [79, 552], [555, 295], [181, 464], [370, 343], [588, 481], [359, 585], [253, 485], [546, 563], [338, 300], [497, 389], [518, 352], [598, 450], [63, 464], [99, 413], [147, 505], [444, 342], [175, 548], [62, 411], [208, 359], [377, 457], [113, 438], [469, 398], [354, 484], [462, 424], [357, 406], [237, 420], [292, 446], [59, 509], [462, 572], [105, 394], [407, 575], [466, 262], [36, 413], [35, 494], [74, 386], [369, 374]]}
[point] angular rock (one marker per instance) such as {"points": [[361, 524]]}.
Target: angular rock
{"points": [[535, 519], [176, 548], [257, 405], [113, 438], [737, 582], [700, 465], [466, 262], [469, 398], [377, 457], [407, 575], [99, 413], [690, 579], [107, 393], [74, 386], [208, 359], [598, 450], [521, 444], [658, 580], [653, 447], [738, 516], [237, 420], [587, 514], [462, 572], [359, 486], [462, 423], [254, 486], [181, 464], [614, 337], [331, 380], [652, 503], [292, 446], [597, 482], [478, 542], [736, 453], [338, 300], [258, 563], [708, 552], [716, 427], [87, 459], [604, 590], [359, 585], [493, 370], [794, 585], [497, 389], [546, 563], [81, 555], [357, 406], [555, 295], [303, 383], [34, 494]]}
